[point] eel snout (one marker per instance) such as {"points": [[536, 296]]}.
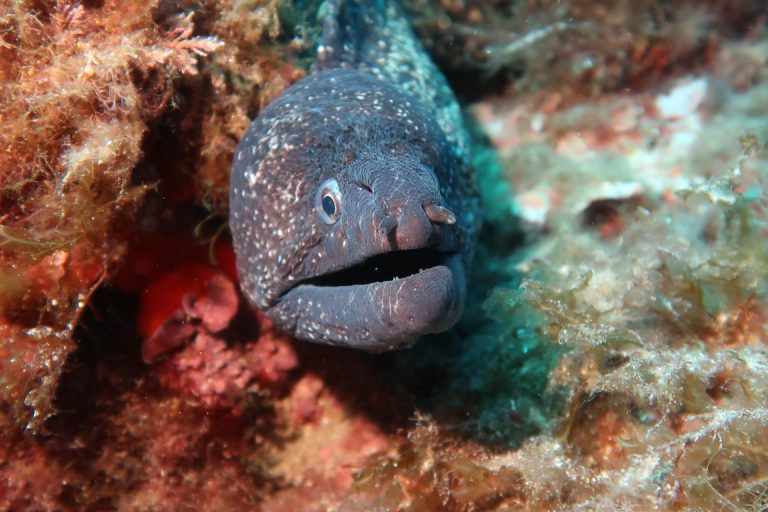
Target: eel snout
{"points": [[416, 226], [414, 285]]}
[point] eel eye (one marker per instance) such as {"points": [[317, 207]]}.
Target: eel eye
{"points": [[328, 201]]}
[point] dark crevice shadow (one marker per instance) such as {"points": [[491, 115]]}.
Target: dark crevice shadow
{"points": [[111, 413], [96, 376], [366, 384]]}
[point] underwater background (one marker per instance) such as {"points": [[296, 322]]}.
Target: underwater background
{"points": [[613, 354]]}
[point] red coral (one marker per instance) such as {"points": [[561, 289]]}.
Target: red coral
{"points": [[196, 304], [219, 376], [165, 295], [216, 307]]}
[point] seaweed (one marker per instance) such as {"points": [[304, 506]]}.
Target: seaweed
{"points": [[430, 472], [88, 89]]}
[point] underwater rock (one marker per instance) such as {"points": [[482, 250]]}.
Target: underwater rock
{"points": [[582, 49]]}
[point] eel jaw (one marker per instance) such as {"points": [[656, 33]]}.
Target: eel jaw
{"points": [[369, 307]]}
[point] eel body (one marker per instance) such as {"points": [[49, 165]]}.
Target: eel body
{"points": [[353, 206]]}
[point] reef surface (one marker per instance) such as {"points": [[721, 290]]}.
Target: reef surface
{"points": [[614, 350]]}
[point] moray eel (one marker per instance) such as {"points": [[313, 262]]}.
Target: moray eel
{"points": [[353, 206]]}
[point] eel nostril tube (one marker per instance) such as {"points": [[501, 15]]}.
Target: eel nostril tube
{"points": [[439, 214]]}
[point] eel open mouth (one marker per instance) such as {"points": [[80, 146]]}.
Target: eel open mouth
{"points": [[384, 267], [387, 301]]}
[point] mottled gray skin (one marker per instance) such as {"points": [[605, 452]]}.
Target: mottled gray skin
{"points": [[377, 116]]}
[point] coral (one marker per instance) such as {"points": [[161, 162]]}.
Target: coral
{"points": [[217, 376]]}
